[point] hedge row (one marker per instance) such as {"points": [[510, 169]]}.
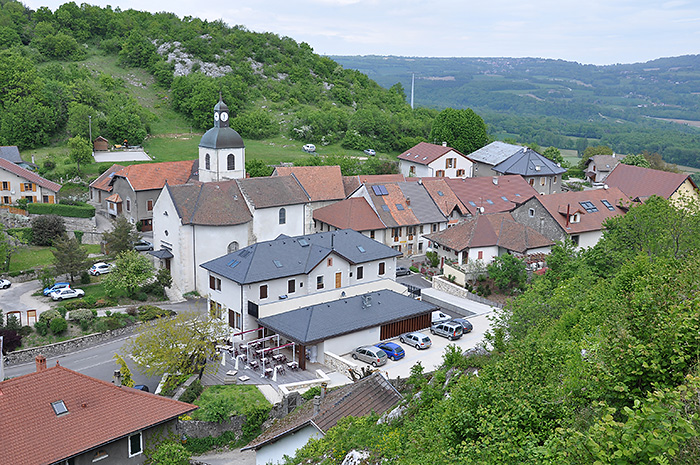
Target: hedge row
{"points": [[75, 211]]}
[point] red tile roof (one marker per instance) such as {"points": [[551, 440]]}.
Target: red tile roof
{"points": [[425, 153], [351, 183], [514, 236], [98, 412], [149, 176], [640, 183], [376, 178], [480, 191], [558, 205], [29, 175], [320, 182], [444, 197], [104, 181], [354, 213]]}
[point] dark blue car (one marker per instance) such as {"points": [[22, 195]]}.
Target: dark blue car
{"points": [[393, 350]]}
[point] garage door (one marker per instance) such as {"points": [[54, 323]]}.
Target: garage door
{"points": [[417, 323]]}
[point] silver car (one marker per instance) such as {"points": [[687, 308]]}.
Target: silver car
{"points": [[370, 354], [416, 339], [448, 329]]}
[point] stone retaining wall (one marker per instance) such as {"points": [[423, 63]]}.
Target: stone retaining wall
{"points": [[339, 364], [59, 348], [202, 429], [441, 284]]}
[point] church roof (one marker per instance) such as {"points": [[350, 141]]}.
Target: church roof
{"points": [[222, 138]]}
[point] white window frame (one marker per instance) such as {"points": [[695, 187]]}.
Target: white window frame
{"points": [[140, 451]]}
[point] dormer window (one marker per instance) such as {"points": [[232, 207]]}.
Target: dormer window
{"points": [[575, 218]]}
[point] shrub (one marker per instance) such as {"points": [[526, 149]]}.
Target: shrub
{"points": [[108, 323], [171, 453], [12, 323], [79, 235], [151, 312], [24, 235], [58, 325], [433, 259], [311, 393], [84, 325], [131, 310], [254, 418], [41, 328], [192, 392], [142, 296], [48, 315], [413, 268], [81, 314], [11, 340], [61, 209], [49, 165], [25, 331], [46, 228], [218, 410], [85, 278]]}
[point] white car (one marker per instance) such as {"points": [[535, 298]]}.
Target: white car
{"points": [[310, 148], [439, 317], [370, 152], [4, 284], [67, 293], [100, 268]]}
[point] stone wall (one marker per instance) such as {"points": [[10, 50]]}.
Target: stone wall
{"points": [[202, 429], [441, 284], [52, 350], [339, 364]]}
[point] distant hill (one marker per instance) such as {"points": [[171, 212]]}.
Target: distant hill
{"points": [[561, 103]]}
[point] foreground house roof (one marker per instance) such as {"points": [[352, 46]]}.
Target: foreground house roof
{"points": [[149, 176], [593, 206], [326, 320], [403, 204], [291, 256], [425, 153], [371, 394], [29, 175], [104, 181], [527, 162], [320, 182], [212, 203], [494, 194], [97, 412], [354, 213], [640, 183], [494, 153]]}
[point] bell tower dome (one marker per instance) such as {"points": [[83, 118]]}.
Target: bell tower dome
{"points": [[221, 150]]}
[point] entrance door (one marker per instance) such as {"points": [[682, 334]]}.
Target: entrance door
{"points": [[167, 264], [338, 279]]}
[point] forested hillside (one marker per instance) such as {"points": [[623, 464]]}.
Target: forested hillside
{"points": [[565, 104], [596, 363], [62, 70]]}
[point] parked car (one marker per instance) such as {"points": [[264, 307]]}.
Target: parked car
{"points": [[448, 329], [392, 349], [370, 152], [4, 283], [55, 287], [142, 387], [67, 293], [370, 354], [439, 317], [466, 326], [402, 271], [100, 268], [416, 339], [143, 245], [310, 148]]}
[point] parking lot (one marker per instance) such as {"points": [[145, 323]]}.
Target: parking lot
{"points": [[432, 358]]}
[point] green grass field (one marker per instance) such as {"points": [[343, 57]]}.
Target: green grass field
{"points": [[240, 398], [33, 257]]}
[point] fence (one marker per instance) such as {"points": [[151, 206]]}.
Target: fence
{"points": [[14, 210]]}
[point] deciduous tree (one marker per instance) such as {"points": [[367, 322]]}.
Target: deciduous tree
{"points": [[463, 130], [131, 271], [80, 150], [507, 272], [70, 257]]}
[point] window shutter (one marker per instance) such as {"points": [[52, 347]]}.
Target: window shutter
{"points": [[21, 187], [51, 199], [33, 187]]}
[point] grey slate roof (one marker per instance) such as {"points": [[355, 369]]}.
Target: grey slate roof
{"points": [[494, 153], [211, 203], [256, 262], [319, 322], [527, 162], [222, 138], [421, 203], [10, 153], [274, 191]]}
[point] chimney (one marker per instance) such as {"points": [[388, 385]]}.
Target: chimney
{"points": [[324, 386], [117, 378], [40, 363], [317, 405], [408, 201], [444, 144], [495, 180]]}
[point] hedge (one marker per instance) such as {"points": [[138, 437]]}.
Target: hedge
{"points": [[75, 211], [23, 234]]}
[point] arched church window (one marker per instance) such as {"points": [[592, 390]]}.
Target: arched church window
{"points": [[231, 162], [207, 162]]}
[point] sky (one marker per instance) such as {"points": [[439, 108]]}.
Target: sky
{"points": [[597, 32]]}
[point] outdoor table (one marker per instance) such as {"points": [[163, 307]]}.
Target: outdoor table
{"points": [[293, 365], [254, 364]]}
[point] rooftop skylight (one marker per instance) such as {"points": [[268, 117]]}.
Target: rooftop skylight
{"points": [[59, 407]]}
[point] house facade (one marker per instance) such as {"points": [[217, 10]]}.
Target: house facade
{"points": [[487, 157], [18, 183], [81, 420], [430, 160], [541, 173], [599, 167]]}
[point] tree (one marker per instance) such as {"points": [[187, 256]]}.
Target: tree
{"points": [[70, 257], [507, 272], [591, 151], [124, 371], [462, 130], [176, 345], [132, 270], [122, 237], [80, 150], [256, 168], [554, 154], [46, 229], [636, 160], [5, 249], [170, 453]]}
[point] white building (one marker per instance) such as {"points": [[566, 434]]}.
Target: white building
{"points": [[430, 160]]}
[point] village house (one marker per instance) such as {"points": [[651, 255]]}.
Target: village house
{"points": [[540, 172], [577, 216], [487, 157], [493, 194], [599, 167], [641, 183], [59, 416], [18, 183], [430, 160]]}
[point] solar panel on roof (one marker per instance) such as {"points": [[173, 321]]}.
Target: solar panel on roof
{"points": [[380, 189], [383, 188], [244, 253], [233, 263]]}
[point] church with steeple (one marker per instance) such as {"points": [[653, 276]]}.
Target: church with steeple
{"points": [[221, 150]]}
